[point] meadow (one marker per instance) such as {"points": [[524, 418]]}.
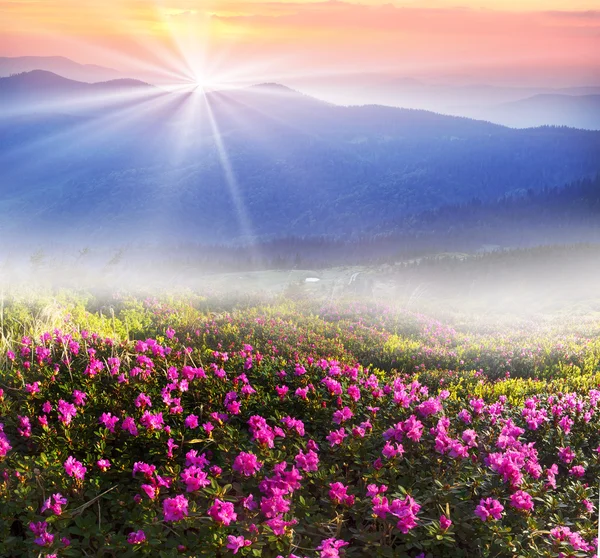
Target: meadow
{"points": [[192, 426]]}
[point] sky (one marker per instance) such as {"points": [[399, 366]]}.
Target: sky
{"points": [[506, 42]]}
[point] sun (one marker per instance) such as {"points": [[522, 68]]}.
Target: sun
{"points": [[197, 80]]}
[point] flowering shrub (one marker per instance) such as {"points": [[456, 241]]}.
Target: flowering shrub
{"points": [[253, 434]]}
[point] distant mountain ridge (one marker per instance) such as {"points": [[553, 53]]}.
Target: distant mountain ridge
{"points": [[259, 162], [48, 91], [575, 111], [509, 106], [60, 65], [45, 78]]}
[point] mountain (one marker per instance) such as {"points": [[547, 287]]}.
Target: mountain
{"points": [[58, 65], [581, 111], [40, 90], [479, 101], [258, 162]]}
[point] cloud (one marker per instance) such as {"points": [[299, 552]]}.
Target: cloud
{"points": [[321, 35], [337, 15], [588, 15]]}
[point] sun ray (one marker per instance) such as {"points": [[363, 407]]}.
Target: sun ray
{"points": [[231, 181]]}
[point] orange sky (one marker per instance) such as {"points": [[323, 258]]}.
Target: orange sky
{"points": [[226, 39]]}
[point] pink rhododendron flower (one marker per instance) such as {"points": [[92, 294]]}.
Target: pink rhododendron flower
{"points": [[489, 508], [137, 537], [342, 415], [152, 421], [445, 523], [128, 425], [574, 538], [54, 504], [429, 407], [406, 511], [40, 530], [175, 509], [171, 446], [74, 468], [79, 397], [103, 464], [222, 512], [551, 475], [24, 426], [144, 468], [588, 505], [194, 478], [282, 391], [336, 437], [261, 432], [150, 490], [246, 464], [109, 421], [521, 500], [274, 505], [330, 548], [32, 388], [235, 543], [338, 494], [566, 424], [302, 393], [142, 400], [390, 451], [191, 421], [294, 424], [66, 412], [469, 437], [308, 461], [566, 455], [5, 446], [577, 471]]}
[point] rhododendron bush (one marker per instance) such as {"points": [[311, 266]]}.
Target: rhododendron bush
{"points": [[269, 432]]}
